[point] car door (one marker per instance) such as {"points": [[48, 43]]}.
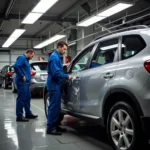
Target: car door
{"points": [[1, 77], [96, 81], [3, 73], [72, 88]]}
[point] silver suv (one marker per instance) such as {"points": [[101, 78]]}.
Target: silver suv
{"points": [[113, 86]]}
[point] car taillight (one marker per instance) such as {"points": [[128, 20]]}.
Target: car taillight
{"points": [[147, 65], [33, 73], [9, 73]]}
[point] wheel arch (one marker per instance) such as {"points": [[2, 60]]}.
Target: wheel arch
{"points": [[112, 97]]}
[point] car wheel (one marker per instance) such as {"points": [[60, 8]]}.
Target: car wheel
{"points": [[123, 127], [46, 105], [5, 85], [14, 90], [0, 85]]}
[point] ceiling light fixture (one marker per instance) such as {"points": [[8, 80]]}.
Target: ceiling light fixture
{"points": [[49, 41], [90, 21], [118, 7], [43, 6], [13, 37], [31, 18]]}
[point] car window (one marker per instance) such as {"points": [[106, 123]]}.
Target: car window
{"points": [[2, 70], [105, 53], [40, 66], [132, 45], [11, 69], [80, 64], [6, 69]]}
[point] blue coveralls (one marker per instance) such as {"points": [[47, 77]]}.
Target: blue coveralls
{"points": [[22, 68], [55, 79], [94, 64]]}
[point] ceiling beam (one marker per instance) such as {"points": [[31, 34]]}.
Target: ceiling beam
{"points": [[72, 8], [62, 16], [43, 18], [44, 29], [23, 36], [7, 11]]}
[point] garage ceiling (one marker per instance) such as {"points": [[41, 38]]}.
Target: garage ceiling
{"points": [[63, 14]]}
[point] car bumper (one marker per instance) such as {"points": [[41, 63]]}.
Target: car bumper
{"points": [[146, 126], [9, 81], [37, 87]]}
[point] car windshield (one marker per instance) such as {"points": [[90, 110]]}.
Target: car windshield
{"points": [[40, 66]]}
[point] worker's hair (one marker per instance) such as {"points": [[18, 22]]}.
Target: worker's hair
{"points": [[30, 51], [110, 54], [61, 44]]}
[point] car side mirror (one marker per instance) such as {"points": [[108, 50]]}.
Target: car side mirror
{"points": [[65, 69]]}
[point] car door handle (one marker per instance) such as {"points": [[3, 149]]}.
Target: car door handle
{"points": [[108, 75]]}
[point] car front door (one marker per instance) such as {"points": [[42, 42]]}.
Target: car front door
{"points": [[72, 88], [96, 81]]}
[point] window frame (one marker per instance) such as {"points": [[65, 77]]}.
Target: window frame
{"points": [[80, 55], [116, 57], [120, 52]]}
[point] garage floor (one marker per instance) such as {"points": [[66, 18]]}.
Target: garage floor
{"points": [[31, 136]]}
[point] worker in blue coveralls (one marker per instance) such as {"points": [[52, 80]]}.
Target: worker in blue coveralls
{"points": [[56, 77], [108, 56], [23, 77]]}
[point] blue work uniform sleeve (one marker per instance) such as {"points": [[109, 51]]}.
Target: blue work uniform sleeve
{"points": [[57, 71], [17, 66]]}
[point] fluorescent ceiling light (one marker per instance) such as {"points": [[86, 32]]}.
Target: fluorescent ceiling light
{"points": [[49, 41], [90, 21], [31, 18], [114, 9], [13, 37], [104, 14], [43, 6], [73, 43]]}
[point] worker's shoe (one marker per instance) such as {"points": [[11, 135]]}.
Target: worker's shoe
{"points": [[53, 132], [31, 116], [61, 129], [21, 119]]}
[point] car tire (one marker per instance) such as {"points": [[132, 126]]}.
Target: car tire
{"points": [[124, 131], [5, 85], [33, 94], [46, 104], [0, 85], [14, 90]]}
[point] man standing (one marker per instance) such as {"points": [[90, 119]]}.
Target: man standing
{"points": [[23, 77], [56, 77]]}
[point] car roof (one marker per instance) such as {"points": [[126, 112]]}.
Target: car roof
{"points": [[121, 32], [38, 62]]}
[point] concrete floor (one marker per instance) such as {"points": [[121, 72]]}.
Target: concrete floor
{"points": [[31, 135]]}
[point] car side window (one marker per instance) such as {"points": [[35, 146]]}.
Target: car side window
{"points": [[81, 62], [131, 45], [4, 69], [105, 53]]}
